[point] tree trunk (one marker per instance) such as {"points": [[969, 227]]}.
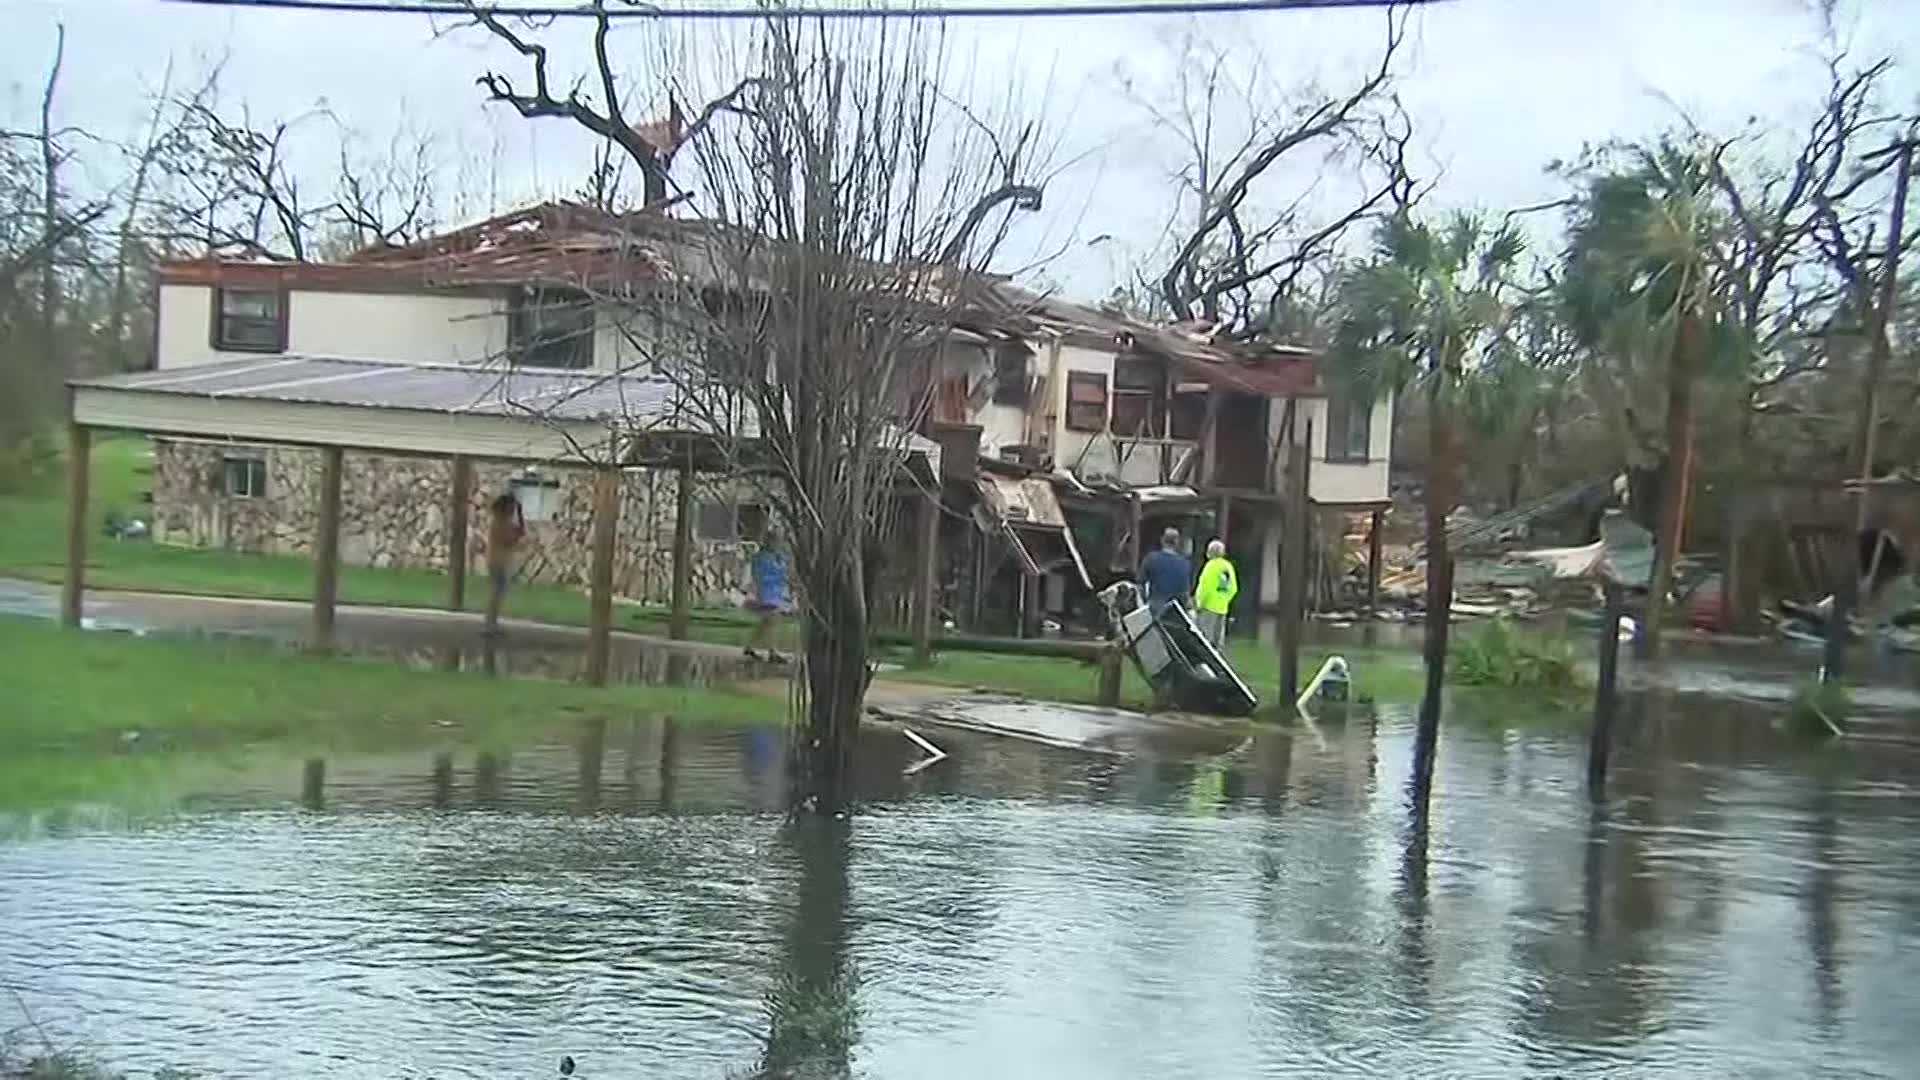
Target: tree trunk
{"points": [[835, 634], [1441, 473], [1677, 483], [50, 161]]}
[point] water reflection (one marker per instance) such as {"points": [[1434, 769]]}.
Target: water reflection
{"points": [[812, 1013], [633, 894]]}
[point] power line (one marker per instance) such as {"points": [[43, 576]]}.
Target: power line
{"points": [[709, 11]]}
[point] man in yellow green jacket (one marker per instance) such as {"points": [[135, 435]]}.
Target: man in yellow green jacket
{"points": [[1213, 597]]}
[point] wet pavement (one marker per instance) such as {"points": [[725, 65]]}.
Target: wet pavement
{"points": [[417, 637], [1744, 905]]}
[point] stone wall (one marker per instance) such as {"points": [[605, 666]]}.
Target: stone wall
{"points": [[393, 514]]}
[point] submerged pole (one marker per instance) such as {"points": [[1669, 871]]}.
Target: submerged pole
{"points": [[1604, 694]]}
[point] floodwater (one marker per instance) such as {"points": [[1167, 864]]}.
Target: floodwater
{"points": [[1743, 905]]}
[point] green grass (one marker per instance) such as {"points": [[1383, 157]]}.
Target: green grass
{"points": [[1379, 674], [1496, 654], [33, 545], [75, 698]]}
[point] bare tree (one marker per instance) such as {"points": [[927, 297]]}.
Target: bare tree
{"points": [[389, 199], [229, 182], [1249, 226], [846, 207], [651, 144], [52, 156]]}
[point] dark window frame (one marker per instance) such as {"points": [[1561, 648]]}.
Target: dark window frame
{"points": [[251, 469], [1010, 378], [1187, 414], [533, 339], [1342, 412], [1078, 410], [1140, 383], [218, 328]]}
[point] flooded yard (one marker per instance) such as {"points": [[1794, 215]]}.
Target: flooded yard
{"points": [[1745, 904]]}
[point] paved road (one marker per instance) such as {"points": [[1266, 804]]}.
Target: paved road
{"points": [[415, 636]]}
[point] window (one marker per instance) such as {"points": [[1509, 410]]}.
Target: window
{"points": [[1086, 401], [751, 522], [1349, 427], [249, 320], [715, 521], [244, 476], [1139, 398], [728, 522], [1010, 375], [1188, 415], [550, 328]]}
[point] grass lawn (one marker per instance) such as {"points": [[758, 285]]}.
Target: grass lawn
{"points": [[1385, 675], [73, 699]]}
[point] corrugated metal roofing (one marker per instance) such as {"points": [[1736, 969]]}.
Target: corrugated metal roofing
{"points": [[630, 400], [633, 403]]}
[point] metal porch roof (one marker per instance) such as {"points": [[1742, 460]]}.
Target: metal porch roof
{"points": [[626, 400]]}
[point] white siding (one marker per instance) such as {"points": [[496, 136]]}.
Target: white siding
{"points": [[402, 327], [1352, 482], [186, 326], [398, 327]]}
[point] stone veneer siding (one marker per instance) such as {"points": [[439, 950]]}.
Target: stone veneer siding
{"points": [[393, 513]]}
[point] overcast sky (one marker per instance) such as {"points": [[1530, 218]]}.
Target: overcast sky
{"points": [[1497, 88]]}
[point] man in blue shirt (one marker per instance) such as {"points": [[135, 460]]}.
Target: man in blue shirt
{"points": [[769, 598], [1166, 576]]}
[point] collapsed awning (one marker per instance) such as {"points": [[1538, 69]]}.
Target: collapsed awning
{"points": [[1027, 515]]}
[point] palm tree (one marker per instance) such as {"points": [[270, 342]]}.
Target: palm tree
{"points": [[1419, 317], [1640, 289]]}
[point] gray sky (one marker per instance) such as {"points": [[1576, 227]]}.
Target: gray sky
{"points": [[1497, 88]]}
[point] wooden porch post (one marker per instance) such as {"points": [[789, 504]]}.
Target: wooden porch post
{"points": [[606, 514], [1221, 514], [326, 549], [1136, 544], [1373, 560], [458, 498], [79, 464], [680, 621], [1210, 440], [924, 592], [1294, 552]]}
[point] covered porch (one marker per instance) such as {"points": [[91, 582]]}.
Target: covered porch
{"points": [[601, 423]]}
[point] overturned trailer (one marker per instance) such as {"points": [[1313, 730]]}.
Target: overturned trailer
{"points": [[1178, 662]]}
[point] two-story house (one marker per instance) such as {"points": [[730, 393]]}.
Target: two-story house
{"points": [[1130, 425], [506, 295]]}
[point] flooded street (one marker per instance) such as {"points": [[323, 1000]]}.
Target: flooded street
{"points": [[1746, 905]]}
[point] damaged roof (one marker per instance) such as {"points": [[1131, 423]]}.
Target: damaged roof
{"points": [[549, 244], [575, 245], [1199, 349]]}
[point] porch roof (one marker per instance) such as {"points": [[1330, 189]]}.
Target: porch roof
{"points": [[438, 409]]}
